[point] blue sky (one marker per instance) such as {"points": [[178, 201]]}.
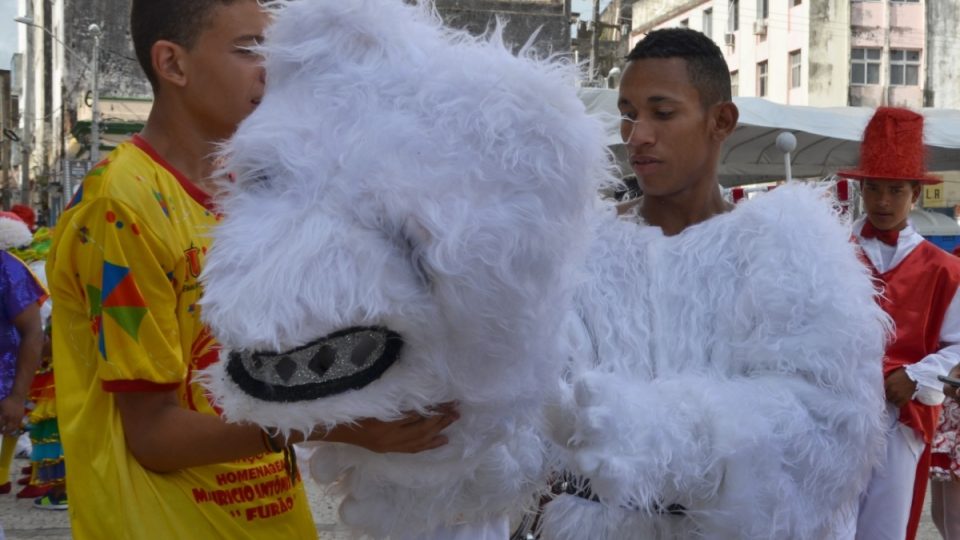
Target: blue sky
{"points": [[585, 8], [8, 32]]}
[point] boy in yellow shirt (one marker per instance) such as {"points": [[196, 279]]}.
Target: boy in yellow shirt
{"points": [[149, 455]]}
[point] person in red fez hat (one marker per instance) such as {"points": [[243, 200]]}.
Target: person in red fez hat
{"points": [[920, 283]]}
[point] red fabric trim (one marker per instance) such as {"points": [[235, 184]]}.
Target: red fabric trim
{"points": [[919, 493], [137, 385], [197, 194], [941, 460], [41, 380]]}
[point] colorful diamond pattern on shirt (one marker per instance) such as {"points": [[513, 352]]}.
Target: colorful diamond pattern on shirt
{"points": [[77, 197], [121, 299], [96, 318], [99, 168], [163, 203]]}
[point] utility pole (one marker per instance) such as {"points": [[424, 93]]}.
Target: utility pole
{"points": [[595, 40], [26, 141], [95, 115]]}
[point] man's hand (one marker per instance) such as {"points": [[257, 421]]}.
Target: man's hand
{"points": [[899, 388], [11, 415], [408, 435]]}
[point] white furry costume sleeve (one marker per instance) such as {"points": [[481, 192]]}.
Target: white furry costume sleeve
{"points": [[408, 208], [737, 389]]}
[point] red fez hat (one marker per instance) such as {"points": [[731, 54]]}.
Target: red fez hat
{"points": [[26, 214], [892, 148]]}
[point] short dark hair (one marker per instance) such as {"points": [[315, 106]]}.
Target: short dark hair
{"points": [[178, 21], [706, 67]]}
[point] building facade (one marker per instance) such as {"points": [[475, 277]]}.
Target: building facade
{"points": [[59, 75], [548, 18], [826, 52], [831, 53], [9, 120]]}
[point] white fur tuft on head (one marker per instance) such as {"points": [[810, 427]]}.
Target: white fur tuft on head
{"points": [[14, 232]]}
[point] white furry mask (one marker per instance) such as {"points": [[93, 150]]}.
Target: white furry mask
{"points": [[409, 205]]}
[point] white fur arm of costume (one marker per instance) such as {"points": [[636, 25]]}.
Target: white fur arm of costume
{"points": [[772, 422], [717, 447]]}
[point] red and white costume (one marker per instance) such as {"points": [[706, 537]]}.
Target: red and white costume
{"points": [[920, 283], [920, 293]]}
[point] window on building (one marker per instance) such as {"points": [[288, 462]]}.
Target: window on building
{"points": [[763, 9], [734, 83], [762, 78], [795, 69], [733, 16], [904, 67], [708, 23], [864, 66]]}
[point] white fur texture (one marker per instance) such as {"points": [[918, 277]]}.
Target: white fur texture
{"points": [[401, 174], [735, 371], [14, 233]]}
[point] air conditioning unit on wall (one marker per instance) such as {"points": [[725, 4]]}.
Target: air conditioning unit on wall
{"points": [[760, 27], [730, 39]]}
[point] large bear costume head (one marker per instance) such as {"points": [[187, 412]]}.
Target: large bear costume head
{"points": [[408, 209]]}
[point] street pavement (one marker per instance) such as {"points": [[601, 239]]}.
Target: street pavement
{"points": [[21, 521]]}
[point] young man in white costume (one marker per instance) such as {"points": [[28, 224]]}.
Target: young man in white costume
{"points": [[725, 379], [920, 283]]}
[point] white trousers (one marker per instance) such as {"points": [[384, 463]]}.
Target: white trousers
{"points": [[493, 529], [885, 506]]}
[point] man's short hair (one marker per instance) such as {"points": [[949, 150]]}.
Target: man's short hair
{"points": [[706, 67], [178, 21]]}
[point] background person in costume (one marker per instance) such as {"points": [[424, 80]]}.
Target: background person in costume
{"points": [[945, 471], [137, 429], [45, 476], [405, 227], [21, 337], [46, 483], [724, 381], [945, 464], [920, 283]]}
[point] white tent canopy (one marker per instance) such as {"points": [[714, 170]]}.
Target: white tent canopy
{"points": [[827, 138], [933, 224]]}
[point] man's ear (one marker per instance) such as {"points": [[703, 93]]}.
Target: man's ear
{"points": [[168, 60], [725, 116], [917, 189]]}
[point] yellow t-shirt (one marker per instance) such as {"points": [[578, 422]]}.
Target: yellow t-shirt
{"points": [[123, 273]]}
